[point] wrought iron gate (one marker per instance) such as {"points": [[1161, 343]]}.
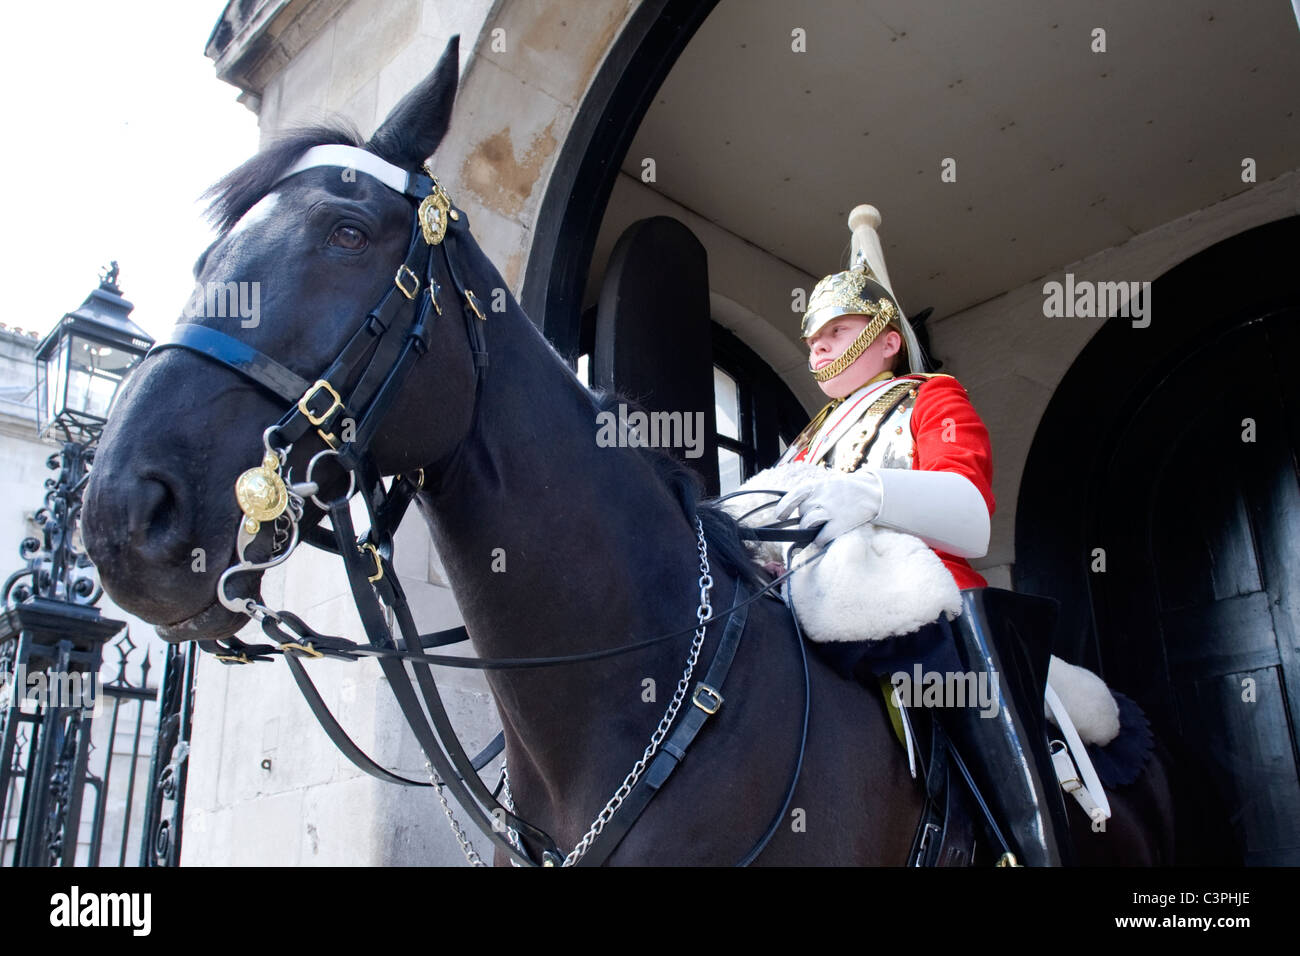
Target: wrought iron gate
{"points": [[96, 785]]}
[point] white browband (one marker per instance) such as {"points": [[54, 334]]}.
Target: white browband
{"points": [[351, 157]]}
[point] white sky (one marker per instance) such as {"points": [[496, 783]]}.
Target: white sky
{"points": [[115, 123]]}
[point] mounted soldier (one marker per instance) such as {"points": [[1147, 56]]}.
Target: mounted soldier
{"points": [[903, 449]]}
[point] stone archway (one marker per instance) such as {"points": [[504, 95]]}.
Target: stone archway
{"points": [[535, 147], [580, 183]]}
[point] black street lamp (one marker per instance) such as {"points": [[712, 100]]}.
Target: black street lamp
{"points": [[81, 364], [51, 635]]}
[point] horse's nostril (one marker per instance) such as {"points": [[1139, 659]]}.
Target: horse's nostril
{"points": [[152, 515]]}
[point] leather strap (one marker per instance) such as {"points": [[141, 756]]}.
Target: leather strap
{"points": [[778, 818], [705, 700], [672, 758], [1088, 791], [349, 748], [945, 834], [445, 756], [236, 355], [345, 649]]}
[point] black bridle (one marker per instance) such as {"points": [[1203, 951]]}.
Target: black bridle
{"points": [[376, 361]]}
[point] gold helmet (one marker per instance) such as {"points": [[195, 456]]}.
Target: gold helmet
{"points": [[861, 290]]}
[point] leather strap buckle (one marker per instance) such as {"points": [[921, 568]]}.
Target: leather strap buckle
{"points": [[335, 404], [706, 698], [930, 831], [379, 565], [240, 658], [404, 272], [303, 648]]}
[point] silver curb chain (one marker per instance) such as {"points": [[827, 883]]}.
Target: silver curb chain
{"points": [[466, 846], [702, 614]]}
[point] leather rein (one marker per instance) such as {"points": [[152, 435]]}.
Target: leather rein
{"points": [[394, 335]]}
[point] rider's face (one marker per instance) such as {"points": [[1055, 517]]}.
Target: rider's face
{"points": [[830, 341]]}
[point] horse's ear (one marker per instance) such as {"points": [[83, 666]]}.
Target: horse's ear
{"points": [[417, 124]]}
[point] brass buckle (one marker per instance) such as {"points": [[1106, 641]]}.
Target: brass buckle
{"points": [[469, 297], [304, 648], [404, 271], [714, 699], [379, 565], [1007, 859], [419, 484], [240, 658], [433, 297], [311, 393]]}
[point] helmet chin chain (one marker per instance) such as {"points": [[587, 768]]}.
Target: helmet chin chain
{"points": [[855, 349]]}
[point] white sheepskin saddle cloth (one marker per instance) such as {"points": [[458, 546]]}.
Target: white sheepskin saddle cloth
{"points": [[873, 583]]}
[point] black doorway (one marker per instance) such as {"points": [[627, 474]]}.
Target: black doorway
{"points": [[1174, 450]]}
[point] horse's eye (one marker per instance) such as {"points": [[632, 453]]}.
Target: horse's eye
{"points": [[348, 237]]}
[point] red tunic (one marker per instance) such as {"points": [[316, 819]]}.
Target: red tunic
{"points": [[950, 436]]}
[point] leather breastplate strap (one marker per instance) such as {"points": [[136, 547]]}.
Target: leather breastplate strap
{"points": [[706, 700]]}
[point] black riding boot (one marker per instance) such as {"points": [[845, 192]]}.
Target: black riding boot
{"points": [[1004, 640], [1007, 636]]}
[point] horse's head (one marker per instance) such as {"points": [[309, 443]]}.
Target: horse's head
{"points": [[300, 262]]}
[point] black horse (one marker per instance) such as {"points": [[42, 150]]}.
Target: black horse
{"points": [[599, 544]]}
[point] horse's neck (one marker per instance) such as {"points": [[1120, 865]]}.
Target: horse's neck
{"points": [[556, 546]]}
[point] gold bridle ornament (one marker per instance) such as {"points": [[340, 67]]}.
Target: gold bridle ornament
{"points": [[261, 493], [434, 211]]}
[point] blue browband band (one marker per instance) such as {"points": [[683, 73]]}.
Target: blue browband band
{"points": [[239, 356]]}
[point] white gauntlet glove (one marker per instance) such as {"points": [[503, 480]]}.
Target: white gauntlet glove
{"points": [[942, 508], [843, 501]]}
